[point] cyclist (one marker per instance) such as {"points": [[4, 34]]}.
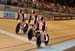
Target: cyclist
{"points": [[33, 17], [20, 19], [42, 27]]}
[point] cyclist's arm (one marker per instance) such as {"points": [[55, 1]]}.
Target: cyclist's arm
{"points": [[18, 16], [29, 20], [23, 16]]}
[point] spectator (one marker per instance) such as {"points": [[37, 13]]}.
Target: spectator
{"points": [[14, 2], [34, 4], [9, 2], [3, 1]]}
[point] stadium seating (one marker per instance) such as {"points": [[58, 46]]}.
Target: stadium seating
{"points": [[41, 5]]}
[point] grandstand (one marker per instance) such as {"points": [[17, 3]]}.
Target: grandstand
{"points": [[52, 5], [47, 8]]}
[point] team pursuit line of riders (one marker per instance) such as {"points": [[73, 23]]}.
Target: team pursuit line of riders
{"points": [[38, 27]]}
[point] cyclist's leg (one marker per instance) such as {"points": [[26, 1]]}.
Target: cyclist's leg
{"points": [[42, 35], [22, 25], [19, 21]]}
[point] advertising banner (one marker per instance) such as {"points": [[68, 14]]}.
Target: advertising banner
{"points": [[9, 14]]}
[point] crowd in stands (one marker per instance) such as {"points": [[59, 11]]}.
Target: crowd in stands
{"points": [[41, 5]]}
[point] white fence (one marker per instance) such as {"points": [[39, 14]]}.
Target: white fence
{"points": [[1, 13], [7, 14]]}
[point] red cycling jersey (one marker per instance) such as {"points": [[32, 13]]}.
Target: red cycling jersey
{"points": [[40, 23], [33, 16], [21, 16]]}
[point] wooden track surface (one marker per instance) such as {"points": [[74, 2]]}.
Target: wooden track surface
{"points": [[58, 30]]}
